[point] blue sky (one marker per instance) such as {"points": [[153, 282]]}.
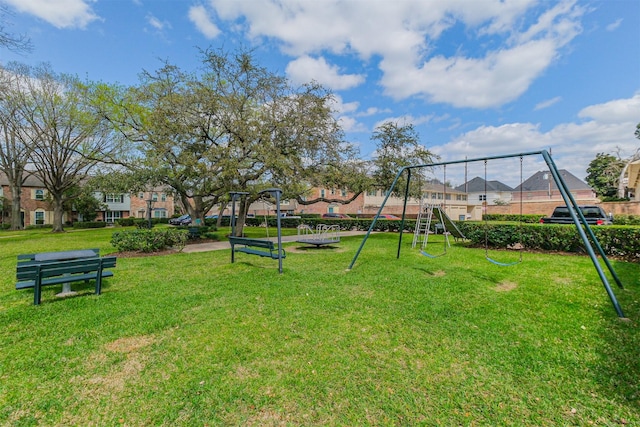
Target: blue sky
{"points": [[475, 77]]}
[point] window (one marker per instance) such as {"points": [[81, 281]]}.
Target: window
{"points": [[112, 216], [344, 193], [39, 217], [333, 191], [482, 197], [39, 195], [448, 197], [154, 197], [163, 197], [372, 193], [140, 195], [159, 213], [114, 198], [322, 193]]}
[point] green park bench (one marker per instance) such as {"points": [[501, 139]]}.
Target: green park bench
{"points": [[61, 268], [266, 247]]}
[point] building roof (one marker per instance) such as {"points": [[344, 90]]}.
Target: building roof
{"points": [[437, 186], [543, 181], [31, 181], [477, 185]]}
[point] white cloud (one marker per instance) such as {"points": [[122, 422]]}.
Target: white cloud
{"points": [[59, 13], [199, 16], [547, 103], [573, 145], [404, 37], [155, 22], [616, 111], [305, 69], [614, 25]]}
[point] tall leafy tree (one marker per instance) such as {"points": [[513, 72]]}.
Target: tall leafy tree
{"points": [[67, 138], [398, 146], [15, 136], [233, 126], [603, 175]]}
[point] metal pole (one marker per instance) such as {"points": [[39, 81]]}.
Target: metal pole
{"points": [[573, 208], [375, 219], [404, 211]]}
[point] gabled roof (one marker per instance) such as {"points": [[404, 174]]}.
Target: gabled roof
{"points": [[31, 181], [477, 185], [540, 182]]}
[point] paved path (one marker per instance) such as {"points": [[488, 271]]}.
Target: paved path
{"points": [[216, 246]]}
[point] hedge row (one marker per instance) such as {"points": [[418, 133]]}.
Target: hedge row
{"points": [[145, 240], [89, 224], [529, 219], [617, 219], [617, 241], [140, 222]]}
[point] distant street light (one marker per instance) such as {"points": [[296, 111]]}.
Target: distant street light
{"points": [[149, 209]]}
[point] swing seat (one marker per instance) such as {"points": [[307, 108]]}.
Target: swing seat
{"points": [[432, 256], [502, 264], [248, 245]]}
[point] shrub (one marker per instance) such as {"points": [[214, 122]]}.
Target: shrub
{"points": [[89, 224], [126, 222], [620, 241], [39, 226], [145, 240]]}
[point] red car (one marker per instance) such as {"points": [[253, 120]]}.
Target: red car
{"points": [[333, 215], [388, 216]]}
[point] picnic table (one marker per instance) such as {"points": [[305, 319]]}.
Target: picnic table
{"points": [[65, 256], [53, 268]]}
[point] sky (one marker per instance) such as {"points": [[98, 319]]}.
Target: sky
{"points": [[475, 78]]}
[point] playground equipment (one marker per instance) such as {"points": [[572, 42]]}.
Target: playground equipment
{"points": [[323, 235], [260, 247], [434, 213], [589, 239], [486, 225]]}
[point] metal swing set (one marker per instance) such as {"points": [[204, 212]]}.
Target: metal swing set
{"points": [[589, 239]]}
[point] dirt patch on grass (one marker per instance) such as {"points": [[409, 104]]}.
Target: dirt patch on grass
{"points": [[438, 273], [505, 286], [129, 344]]}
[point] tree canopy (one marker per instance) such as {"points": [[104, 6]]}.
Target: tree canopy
{"points": [[603, 174]]}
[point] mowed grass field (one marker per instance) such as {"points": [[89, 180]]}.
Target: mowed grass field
{"points": [[190, 339]]}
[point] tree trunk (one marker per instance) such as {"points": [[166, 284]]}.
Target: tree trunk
{"points": [[16, 218], [58, 213]]}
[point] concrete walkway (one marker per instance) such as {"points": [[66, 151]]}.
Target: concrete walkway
{"points": [[216, 246]]}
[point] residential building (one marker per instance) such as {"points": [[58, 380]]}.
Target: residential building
{"points": [[34, 201], [482, 192]]}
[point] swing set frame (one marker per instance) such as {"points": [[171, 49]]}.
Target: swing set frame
{"points": [[591, 243]]}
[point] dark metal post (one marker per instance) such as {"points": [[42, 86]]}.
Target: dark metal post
{"points": [[149, 209], [404, 211], [573, 208], [235, 195]]}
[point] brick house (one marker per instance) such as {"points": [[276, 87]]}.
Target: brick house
{"points": [[37, 210], [34, 207]]}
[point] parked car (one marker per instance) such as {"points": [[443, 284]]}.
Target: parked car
{"points": [[181, 220], [388, 216], [594, 215], [333, 215]]}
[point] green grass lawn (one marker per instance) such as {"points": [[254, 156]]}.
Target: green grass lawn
{"points": [[190, 339]]}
